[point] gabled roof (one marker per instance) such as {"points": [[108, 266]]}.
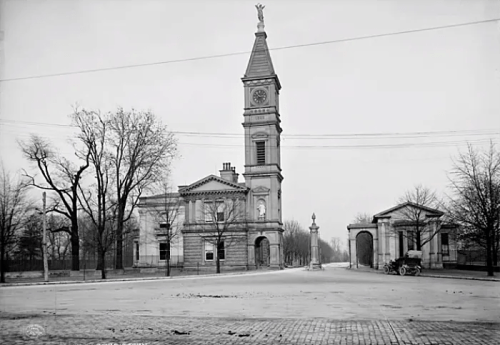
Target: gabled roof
{"points": [[432, 212], [260, 64], [227, 186]]}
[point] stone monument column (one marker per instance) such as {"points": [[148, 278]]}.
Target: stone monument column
{"points": [[315, 264]]}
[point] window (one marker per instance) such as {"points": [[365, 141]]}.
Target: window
{"points": [[445, 247], [261, 152], [221, 251], [164, 251], [208, 212], [401, 244], [210, 252], [137, 251], [165, 225], [411, 240], [220, 212]]}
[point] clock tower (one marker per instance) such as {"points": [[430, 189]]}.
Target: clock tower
{"points": [[262, 154]]}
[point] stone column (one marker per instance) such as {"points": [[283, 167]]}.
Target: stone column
{"points": [[251, 256], [143, 237], [382, 241], [392, 242], [354, 257], [187, 211], [198, 211], [274, 253], [437, 261], [315, 264], [375, 250]]}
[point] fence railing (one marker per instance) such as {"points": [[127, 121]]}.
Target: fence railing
{"points": [[157, 261], [25, 265], [476, 257]]}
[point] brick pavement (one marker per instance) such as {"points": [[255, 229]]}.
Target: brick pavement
{"points": [[126, 329]]}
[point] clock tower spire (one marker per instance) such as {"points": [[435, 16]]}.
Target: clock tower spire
{"points": [[262, 145]]}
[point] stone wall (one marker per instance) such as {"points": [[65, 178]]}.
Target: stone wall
{"points": [[236, 254]]}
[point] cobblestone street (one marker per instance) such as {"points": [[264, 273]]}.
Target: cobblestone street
{"points": [[95, 329], [334, 306]]}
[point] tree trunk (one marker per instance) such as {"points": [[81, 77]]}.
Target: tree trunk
{"points": [[75, 238], [217, 263], [100, 263], [489, 254], [75, 249], [3, 263], [103, 262], [168, 258], [119, 237], [419, 246], [496, 247]]}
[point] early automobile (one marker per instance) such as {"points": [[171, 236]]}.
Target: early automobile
{"points": [[411, 263]]}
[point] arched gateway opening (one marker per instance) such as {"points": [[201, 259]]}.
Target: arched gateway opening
{"points": [[364, 249], [262, 252]]}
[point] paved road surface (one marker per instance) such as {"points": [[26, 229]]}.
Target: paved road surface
{"points": [[290, 307]]}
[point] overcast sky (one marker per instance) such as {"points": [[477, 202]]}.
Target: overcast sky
{"points": [[437, 80]]}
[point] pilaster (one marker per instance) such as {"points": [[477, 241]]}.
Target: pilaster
{"points": [[375, 250]]}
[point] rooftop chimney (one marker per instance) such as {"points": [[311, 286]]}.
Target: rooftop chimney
{"points": [[228, 173]]}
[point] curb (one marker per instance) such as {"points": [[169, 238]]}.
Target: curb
{"points": [[455, 277], [66, 282], [435, 276]]}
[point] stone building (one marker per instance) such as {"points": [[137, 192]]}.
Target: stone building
{"points": [[247, 214], [395, 231]]}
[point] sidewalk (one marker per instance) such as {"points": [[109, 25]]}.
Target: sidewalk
{"points": [[130, 277], [460, 274], [443, 273]]}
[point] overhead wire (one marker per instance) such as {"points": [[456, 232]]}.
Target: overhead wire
{"points": [[358, 38], [337, 146], [377, 135], [387, 135]]}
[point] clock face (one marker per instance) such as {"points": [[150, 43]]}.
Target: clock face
{"points": [[259, 96]]}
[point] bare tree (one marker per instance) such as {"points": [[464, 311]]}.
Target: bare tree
{"points": [[363, 218], [225, 225], [97, 200], [296, 243], [166, 216], [14, 208], [413, 218], [326, 252], [475, 182], [141, 149], [339, 254], [61, 177], [29, 241], [138, 149], [59, 242]]}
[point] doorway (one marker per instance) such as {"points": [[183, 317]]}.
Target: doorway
{"points": [[262, 252]]}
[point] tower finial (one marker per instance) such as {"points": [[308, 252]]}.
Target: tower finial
{"points": [[260, 16]]}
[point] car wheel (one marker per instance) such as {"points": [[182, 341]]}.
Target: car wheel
{"points": [[402, 271]]}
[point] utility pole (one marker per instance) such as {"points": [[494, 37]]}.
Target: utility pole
{"points": [[44, 242]]}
